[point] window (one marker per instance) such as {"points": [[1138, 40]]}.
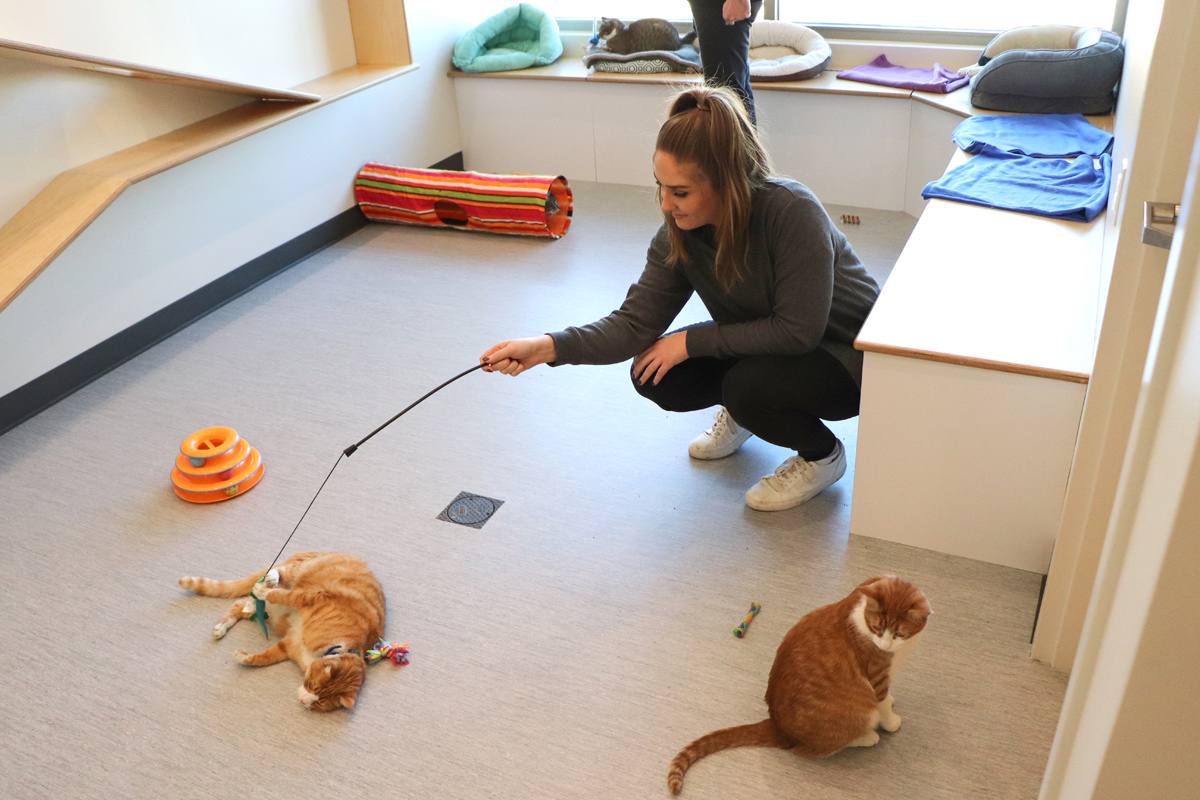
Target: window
{"points": [[943, 14], [950, 14], [626, 10]]}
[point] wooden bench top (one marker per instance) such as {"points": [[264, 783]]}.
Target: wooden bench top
{"points": [[959, 102], [572, 69], [993, 289]]}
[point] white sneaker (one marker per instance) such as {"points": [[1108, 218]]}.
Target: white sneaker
{"points": [[797, 481], [722, 439]]}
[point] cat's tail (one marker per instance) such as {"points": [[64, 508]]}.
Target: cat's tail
{"points": [[688, 38], [211, 588], [760, 734]]}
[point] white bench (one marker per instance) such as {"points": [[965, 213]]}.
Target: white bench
{"points": [[978, 353], [852, 143], [977, 357]]}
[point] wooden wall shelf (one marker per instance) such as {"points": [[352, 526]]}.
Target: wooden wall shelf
{"points": [[41, 230], [62, 58]]}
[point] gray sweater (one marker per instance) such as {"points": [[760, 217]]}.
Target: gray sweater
{"points": [[802, 287]]}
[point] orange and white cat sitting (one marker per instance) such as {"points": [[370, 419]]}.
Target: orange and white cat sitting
{"points": [[830, 686], [327, 609]]}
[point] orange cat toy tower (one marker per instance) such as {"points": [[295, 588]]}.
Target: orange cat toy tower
{"points": [[215, 464]]}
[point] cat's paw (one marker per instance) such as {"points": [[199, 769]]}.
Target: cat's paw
{"points": [[889, 720], [220, 629], [241, 656], [268, 582], [866, 740]]}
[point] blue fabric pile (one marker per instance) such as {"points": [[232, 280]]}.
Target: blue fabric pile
{"points": [[1021, 164]]}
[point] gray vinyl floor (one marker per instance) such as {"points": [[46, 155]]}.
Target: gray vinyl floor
{"points": [[567, 649]]}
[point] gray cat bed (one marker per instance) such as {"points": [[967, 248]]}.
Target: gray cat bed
{"points": [[685, 59], [785, 51], [1049, 69]]}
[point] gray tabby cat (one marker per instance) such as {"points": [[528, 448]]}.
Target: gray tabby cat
{"points": [[641, 36]]}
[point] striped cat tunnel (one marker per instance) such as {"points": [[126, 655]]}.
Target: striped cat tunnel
{"points": [[534, 205]]}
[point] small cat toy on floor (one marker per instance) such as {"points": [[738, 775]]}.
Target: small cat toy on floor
{"points": [[396, 653], [740, 630], [849, 219]]}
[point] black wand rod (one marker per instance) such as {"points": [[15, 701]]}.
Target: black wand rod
{"points": [[349, 451]]}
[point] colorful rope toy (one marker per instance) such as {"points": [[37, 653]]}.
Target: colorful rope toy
{"points": [[398, 653], [740, 630]]}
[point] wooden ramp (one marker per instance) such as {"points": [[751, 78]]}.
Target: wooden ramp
{"points": [[60, 212]]}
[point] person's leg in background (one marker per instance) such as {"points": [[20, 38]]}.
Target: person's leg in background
{"points": [[725, 48]]}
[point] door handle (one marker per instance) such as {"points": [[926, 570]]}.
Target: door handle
{"points": [[1158, 223]]}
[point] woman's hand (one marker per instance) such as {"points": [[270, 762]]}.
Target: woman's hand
{"points": [[657, 359], [514, 356], [735, 10]]}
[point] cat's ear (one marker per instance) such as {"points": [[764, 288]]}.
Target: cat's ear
{"points": [[917, 616], [347, 700], [873, 580], [873, 591]]}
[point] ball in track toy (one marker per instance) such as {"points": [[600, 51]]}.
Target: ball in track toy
{"points": [[215, 464]]}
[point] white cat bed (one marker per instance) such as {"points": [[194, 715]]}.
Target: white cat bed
{"points": [[785, 51]]}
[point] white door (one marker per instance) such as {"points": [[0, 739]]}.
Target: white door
{"points": [[1155, 125], [1128, 726]]}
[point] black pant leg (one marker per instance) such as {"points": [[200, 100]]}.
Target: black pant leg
{"points": [[725, 49], [782, 399], [688, 386]]}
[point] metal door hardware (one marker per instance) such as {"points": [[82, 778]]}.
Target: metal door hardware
{"points": [[1158, 223]]}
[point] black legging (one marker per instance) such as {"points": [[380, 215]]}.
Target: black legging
{"points": [[725, 49], [781, 399]]}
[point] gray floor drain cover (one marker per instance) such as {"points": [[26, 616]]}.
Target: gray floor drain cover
{"points": [[469, 509]]}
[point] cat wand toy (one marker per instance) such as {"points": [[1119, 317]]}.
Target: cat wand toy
{"points": [[260, 605]]}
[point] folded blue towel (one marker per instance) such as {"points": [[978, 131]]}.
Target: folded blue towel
{"points": [[1044, 135], [1049, 187]]}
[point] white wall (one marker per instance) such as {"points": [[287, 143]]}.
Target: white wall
{"points": [[168, 235]]}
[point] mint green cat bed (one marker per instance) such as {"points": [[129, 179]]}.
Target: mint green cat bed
{"points": [[517, 38]]}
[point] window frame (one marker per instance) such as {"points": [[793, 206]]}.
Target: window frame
{"points": [[935, 36]]}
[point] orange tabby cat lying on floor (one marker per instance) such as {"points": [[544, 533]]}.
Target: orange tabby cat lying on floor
{"points": [[830, 684], [327, 609]]}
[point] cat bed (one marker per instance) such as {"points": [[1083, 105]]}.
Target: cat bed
{"points": [[785, 51], [1049, 69], [685, 59], [516, 38]]}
